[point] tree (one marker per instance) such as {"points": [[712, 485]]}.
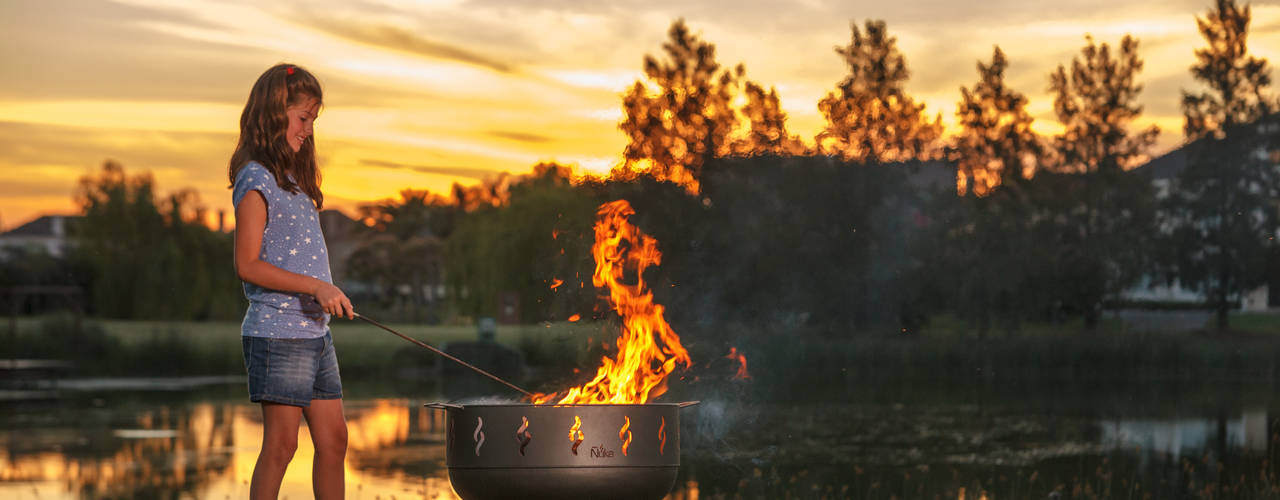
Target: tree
{"points": [[1222, 214], [766, 125], [405, 255], [416, 212], [1096, 104], [796, 241], [985, 242], [685, 117], [152, 259], [996, 144], [541, 233], [870, 117], [1101, 214]]}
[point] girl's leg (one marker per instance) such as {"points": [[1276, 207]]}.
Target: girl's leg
{"points": [[279, 440], [329, 434]]}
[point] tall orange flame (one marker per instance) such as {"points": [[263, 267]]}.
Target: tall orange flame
{"points": [[647, 349]]}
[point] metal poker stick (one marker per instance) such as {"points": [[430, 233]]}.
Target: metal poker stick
{"points": [[442, 353]]}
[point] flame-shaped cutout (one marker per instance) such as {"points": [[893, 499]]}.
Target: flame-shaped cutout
{"points": [[575, 434], [478, 435], [662, 436], [625, 434], [522, 434]]}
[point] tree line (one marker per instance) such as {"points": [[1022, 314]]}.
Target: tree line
{"points": [[138, 254], [1042, 227], [759, 225]]}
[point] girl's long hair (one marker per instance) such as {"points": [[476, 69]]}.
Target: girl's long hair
{"points": [[263, 125]]}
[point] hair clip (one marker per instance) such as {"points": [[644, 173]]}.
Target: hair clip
{"points": [[289, 70]]}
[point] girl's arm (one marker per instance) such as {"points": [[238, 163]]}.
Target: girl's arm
{"points": [[251, 220]]}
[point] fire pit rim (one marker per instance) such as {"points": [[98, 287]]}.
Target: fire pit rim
{"points": [[446, 406], [542, 467]]}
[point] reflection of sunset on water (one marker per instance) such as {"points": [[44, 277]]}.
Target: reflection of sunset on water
{"points": [[138, 465], [213, 451]]}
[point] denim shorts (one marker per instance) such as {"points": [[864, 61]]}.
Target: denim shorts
{"points": [[291, 371]]}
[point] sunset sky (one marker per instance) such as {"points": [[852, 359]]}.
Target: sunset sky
{"points": [[423, 94]]}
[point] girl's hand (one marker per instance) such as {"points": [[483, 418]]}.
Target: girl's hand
{"points": [[333, 301]]}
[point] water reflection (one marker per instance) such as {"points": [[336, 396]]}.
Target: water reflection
{"points": [[1180, 437], [129, 446], [208, 450], [98, 456]]}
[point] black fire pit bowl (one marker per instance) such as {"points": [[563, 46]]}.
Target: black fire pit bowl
{"points": [[508, 451]]}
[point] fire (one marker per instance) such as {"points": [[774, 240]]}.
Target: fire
{"points": [[575, 435], [625, 434], [574, 318], [662, 436], [647, 349], [555, 283], [742, 363]]}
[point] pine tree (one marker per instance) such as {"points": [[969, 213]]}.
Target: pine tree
{"points": [[1102, 212], [1222, 212], [686, 119], [1097, 103], [766, 131], [985, 241], [870, 117], [996, 144]]}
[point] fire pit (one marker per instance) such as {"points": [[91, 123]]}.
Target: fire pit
{"points": [[597, 440], [578, 451]]}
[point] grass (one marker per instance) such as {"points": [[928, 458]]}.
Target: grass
{"points": [[1257, 323], [943, 352], [116, 347]]}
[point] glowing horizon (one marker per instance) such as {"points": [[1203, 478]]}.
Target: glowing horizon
{"points": [[422, 95]]}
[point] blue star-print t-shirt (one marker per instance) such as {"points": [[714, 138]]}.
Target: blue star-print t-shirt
{"points": [[291, 241]]}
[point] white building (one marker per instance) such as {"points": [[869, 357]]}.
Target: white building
{"points": [[1163, 171], [51, 234]]}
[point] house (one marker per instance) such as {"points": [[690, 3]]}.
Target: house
{"points": [[1163, 170], [342, 236], [52, 234]]}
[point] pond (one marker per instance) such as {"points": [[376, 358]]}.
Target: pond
{"points": [[199, 438]]}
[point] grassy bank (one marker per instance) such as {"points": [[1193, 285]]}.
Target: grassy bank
{"points": [[165, 348], [869, 365]]}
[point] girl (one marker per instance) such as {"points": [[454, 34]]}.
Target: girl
{"points": [[280, 256]]}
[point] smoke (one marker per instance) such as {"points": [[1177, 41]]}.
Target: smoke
{"points": [[714, 429], [485, 400]]}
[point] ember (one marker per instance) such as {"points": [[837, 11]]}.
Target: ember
{"points": [[742, 363]]}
